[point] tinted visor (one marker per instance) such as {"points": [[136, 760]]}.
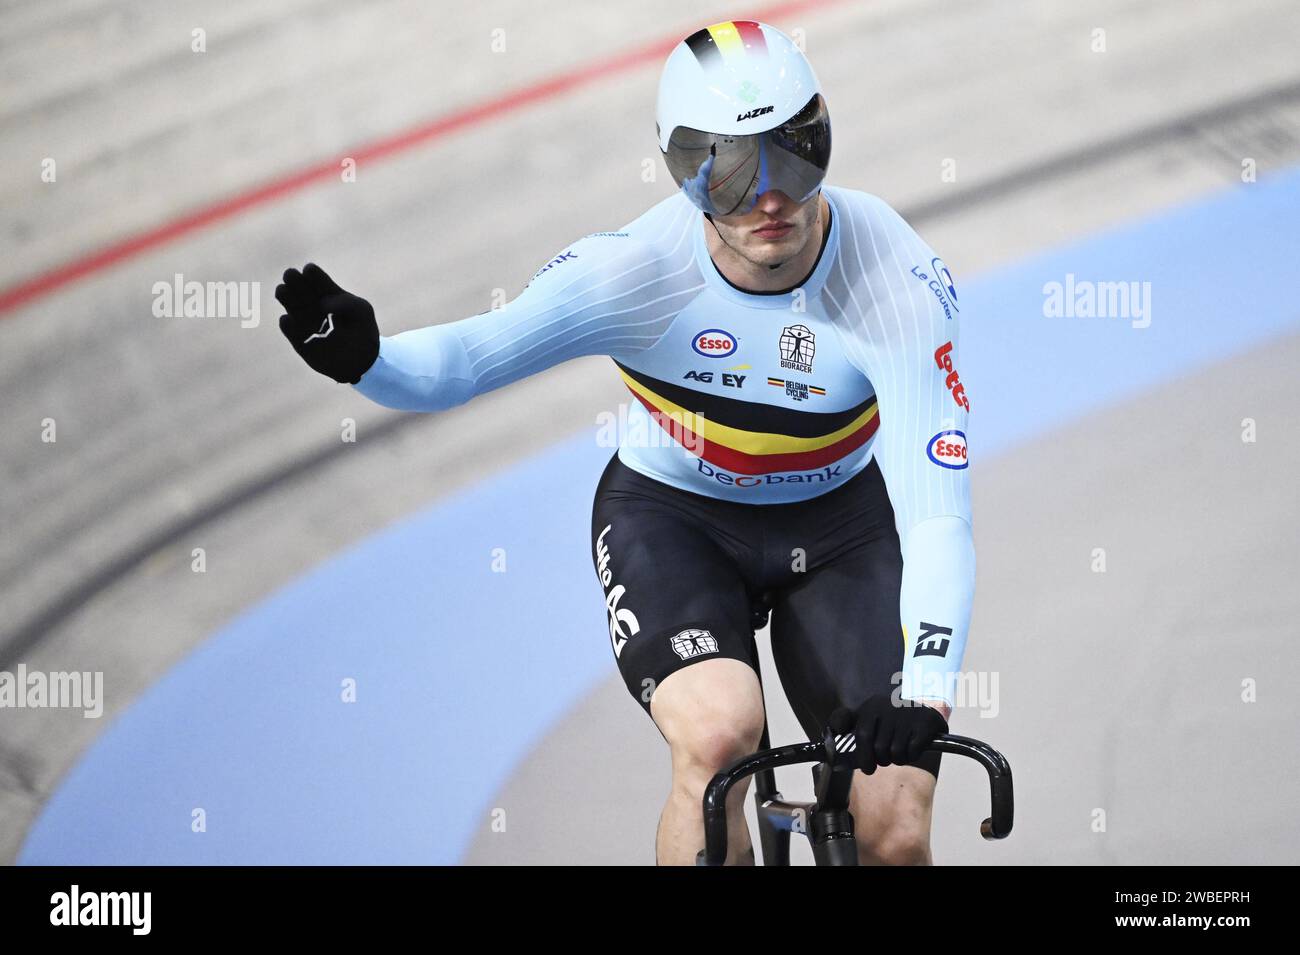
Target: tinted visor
{"points": [[724, 174]]}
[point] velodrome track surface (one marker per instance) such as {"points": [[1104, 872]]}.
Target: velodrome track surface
{"points": [[1093, 434]]}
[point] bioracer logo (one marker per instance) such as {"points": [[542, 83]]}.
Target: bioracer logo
{"points": [[694, 643], [798, 345]]}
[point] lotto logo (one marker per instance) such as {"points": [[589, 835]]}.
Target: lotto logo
{"points": [[943, 361]]}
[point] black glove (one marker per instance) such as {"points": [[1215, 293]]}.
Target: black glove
{"points": [[889, 734], [334, 331]]}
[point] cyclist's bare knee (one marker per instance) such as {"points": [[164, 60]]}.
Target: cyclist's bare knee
{"points": [[898, 846], [711, 713], [891, 815]]}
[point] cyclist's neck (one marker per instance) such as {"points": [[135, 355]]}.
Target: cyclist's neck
{"points": [[755, 278]]}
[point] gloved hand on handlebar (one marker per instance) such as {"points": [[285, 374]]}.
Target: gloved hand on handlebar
{"points": [[889, 732], [334, 331]]}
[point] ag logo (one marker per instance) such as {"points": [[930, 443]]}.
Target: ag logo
{"points": [[948, 450], [714, 343], [706, 377], [797, 347], [694, 643]]}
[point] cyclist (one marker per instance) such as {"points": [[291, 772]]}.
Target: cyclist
{"points": [[796, 442]]}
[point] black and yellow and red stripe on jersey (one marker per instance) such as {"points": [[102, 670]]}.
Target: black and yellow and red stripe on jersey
{"points": [[747, 437]]}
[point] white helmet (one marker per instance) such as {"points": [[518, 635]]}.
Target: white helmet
{"points": [[740, 113]]}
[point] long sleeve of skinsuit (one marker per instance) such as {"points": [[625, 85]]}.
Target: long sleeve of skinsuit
{"points": [[899, 322], [611, 293]]}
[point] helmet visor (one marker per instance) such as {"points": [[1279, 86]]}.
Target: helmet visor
{"points": [[725, 173]]}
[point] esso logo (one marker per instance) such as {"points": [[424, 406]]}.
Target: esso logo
{"points": [[714, 343], [948, 450]]}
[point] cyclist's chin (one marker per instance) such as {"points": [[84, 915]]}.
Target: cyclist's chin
{"points": [[762, 251]]}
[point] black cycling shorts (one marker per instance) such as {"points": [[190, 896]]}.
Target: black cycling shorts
{"points": [[689, 578]]}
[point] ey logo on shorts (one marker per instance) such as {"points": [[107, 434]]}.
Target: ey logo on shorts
{"points": [[694, 643]]}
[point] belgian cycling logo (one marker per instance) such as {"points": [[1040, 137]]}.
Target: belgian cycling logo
{"points": [[694, 643], [948, 450], [714, 343], [618, 617], [796, 390], [798, 344]]}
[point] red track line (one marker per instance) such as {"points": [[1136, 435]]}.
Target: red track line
{"points": [[109, 255]]}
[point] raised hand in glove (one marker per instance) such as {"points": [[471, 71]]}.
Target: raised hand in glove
{"points": [[334, 331]]}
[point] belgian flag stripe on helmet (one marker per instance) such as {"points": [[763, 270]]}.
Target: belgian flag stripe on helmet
{"points": [[715, 44], [751, 34]]}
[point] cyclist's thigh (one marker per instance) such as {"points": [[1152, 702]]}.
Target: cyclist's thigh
{"points": [[836, 634], [674, 597]]}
